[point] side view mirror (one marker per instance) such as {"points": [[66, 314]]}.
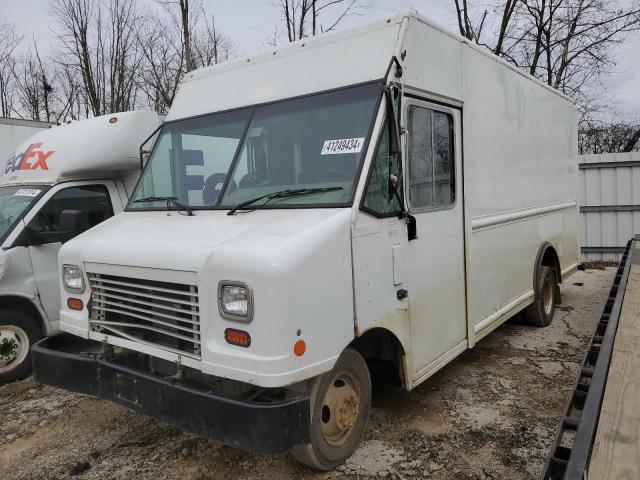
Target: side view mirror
{"points": [[29, 237], [72, 223]]}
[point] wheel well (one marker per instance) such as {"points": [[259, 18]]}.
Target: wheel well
{"points": [[550, 259], [383, 353], [24, 305]]}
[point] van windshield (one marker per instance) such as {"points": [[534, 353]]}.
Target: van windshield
{"points": [[224, 159], [15, 201]]}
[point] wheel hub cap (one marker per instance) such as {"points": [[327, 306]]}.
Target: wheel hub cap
{"points": [[14, 346], [340, 409]]}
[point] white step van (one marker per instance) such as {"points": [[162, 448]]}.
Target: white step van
{"points": [[383, 196], [57, 184]]}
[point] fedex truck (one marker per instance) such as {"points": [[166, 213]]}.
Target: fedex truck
{"points": [[57, 184], [383, 196], [13, 131]]}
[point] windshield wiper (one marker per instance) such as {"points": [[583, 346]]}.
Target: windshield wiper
{"points": [[170, 201], [282, 194]]}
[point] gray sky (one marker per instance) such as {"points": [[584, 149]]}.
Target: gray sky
{"points": [[250, 32]]}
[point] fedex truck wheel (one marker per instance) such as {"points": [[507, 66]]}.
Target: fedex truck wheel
{"points": [[340, 405], [18, 331], [540, 312]]}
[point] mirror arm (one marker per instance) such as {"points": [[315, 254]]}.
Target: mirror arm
{"points": [[142, 151], [396, 150], [395, 144]]}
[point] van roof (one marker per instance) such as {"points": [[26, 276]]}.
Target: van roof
{"points": [[93, 148], [310, 65]]}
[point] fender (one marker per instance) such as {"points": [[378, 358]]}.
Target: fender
{"points": [[9, 298]]}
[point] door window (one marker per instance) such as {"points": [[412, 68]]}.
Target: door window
{"points": [[92, 201], [430, 154], [379, 199]]}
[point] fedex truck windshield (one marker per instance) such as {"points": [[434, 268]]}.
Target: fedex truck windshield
{"points": [[15, 202], [310, 143]]}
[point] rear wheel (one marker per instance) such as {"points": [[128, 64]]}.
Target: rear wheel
{"points": [[540, 312], [340, 405], [18, 331]]}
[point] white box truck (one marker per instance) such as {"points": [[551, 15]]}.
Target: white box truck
{"points": [[13, 131], [386, 195], [57, 184]]}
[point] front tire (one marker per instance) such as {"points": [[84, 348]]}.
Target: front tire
{"points": [[340, 405], [18, 331], [540, 312]]}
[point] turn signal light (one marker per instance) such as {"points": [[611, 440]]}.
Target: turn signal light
{"points": [[74, 303], [299, 348], [237, 337]]}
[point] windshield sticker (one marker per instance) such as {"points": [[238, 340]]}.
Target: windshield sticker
{"points": [[342, 145], [32, 158], [27, 192]]}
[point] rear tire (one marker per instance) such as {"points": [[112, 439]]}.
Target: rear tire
{"points": [[340, 405], [18, 332], [540, 312]]}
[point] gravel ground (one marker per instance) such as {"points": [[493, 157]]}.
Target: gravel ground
{"points": [[490, 414]]}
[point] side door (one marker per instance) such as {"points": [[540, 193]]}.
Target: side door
{"points": [[435, 259], [94, 202]]}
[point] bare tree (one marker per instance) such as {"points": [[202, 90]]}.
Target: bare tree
{"points": [[569, 44], [210, 45], [302, 17], [98, 40], [9, 40], [163, 65], [186, 34], [33, 86], [608, 137], [162, 39]]}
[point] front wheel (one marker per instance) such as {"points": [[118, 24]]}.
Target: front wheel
{"points": [[540, 312], [18, 331], [340, 405]]}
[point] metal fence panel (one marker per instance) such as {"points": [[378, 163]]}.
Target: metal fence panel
{"points": [[609, 198]]}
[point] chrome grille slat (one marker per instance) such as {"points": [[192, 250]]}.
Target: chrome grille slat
{"points": [[133, 285], [161, 314], [148, 295], [100, 297], [145, 327], [122, 334], [141, 317]]}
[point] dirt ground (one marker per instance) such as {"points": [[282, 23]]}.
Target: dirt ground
{"points": [[490, 414]]}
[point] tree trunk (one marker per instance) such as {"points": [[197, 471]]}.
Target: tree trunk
{"points": [[632, 142], [184, 10]]}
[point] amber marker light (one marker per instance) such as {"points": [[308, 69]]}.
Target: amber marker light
{"points": [[74, 303], [299, 348], [113, 119], [237, 337]]}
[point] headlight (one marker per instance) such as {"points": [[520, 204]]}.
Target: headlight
{"points": [[235, 301], [72, 279]]}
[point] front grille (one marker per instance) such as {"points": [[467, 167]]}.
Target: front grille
{"points": [[161, 314]]}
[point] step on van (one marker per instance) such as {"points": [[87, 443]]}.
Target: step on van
{"points": [[382, 196]]}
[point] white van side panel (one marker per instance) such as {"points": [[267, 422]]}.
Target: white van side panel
{"points": [[520, 186]]}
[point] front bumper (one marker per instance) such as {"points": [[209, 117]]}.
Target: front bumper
{"points": [[76, 364]]}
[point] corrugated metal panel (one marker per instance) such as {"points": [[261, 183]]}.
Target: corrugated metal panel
{"points": [[611, 183]]}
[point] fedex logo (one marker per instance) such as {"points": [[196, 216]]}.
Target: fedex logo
{"points": [[31, 159]]}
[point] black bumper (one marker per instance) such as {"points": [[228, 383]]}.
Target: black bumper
{"points": [[260, 427]]}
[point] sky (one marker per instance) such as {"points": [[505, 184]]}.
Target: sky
{"points": [[250, 32]]}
